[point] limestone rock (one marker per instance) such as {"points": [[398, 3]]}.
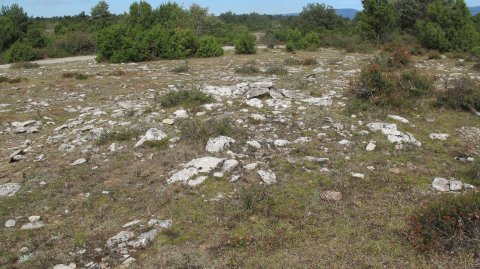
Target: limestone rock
{"points": [[441, 184], [331, 196], [152, 135], [268, 177], [219, 144], [9, 189]]}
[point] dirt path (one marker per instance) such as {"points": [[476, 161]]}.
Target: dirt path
{"points": [[59, 60]]}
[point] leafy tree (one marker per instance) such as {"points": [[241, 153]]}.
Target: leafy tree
{"points": [[377, 19], [317, 17], [17, 15], [35, 36], [141, 14], [100, 11], [170, 15], [202, 22], [10, 33]]}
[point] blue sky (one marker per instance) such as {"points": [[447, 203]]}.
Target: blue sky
{"points": [[48, 8]]}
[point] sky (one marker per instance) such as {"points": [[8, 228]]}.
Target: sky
{"points": [[49, 8]]}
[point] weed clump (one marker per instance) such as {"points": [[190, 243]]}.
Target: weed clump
{"points": [[24, 65], [276, 69], [247, 69], [256, 200], [9, 80], [434, 55], [463, 94], [182, 68], [118, 136], [452, 223], [186, 98]]}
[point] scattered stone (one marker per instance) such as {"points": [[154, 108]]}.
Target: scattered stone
{"points": [[393, 135], [219, 144], [254, 144], [316, 160], [251, 166], [281, 142], [181, 114], [32, 225], [197, 181], [119, 238], [168, 121], [358, 175], [62, 266], [183, 175], [10, 223], [218, 174], [230, 165], [398, 118], [371, 146], [152, 135], [144, 239], [442, 137], [441, 184], [331, 196], [268, 177], [132, 223], [456, 185], [33, 218], [344, 142], [255, 103], [9, 189], [18, 155], [79, 161], [257, 117], [206, 164]]}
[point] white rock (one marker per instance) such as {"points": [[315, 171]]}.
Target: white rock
{"points": [[152, 135], [441, 184], [331, 196], [62, 266], [218, 174], [219, 144], [302, 140], [79, 161], [316, 160], [206, 164], [131, 223], [268, 177], [251, 166], [32, 225], [183, 175], [281, 142], [358, 175], [180, 114], [128, 261], [144, 239], [197, 181], [254, 102], [112, 147], [344, 142], [456, 185], [393, 135], [10, 223], [119, 238], [33, 218], [257, 117], [442, 137], [168, 121], [9, 189], [398, 118], [254, 144], [371, 146], [230, 165]]}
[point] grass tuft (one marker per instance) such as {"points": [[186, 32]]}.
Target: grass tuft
{"points": [[186, 98]]}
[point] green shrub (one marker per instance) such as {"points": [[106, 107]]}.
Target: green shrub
{"points": [[186, 98], [121, 43], [76, 75], [209, 47], [434, 55], [24, 65], [73, 43], [372, 82], [451, 223], [195, 131], [476, 67], [182, 43], [245, 44], [290, 47], [475, 52], [276, 69], [462, 94], [310, 41], [20, 52], [399, 58]]}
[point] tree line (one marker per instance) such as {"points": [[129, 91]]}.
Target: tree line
{"points": [[171, 31]]}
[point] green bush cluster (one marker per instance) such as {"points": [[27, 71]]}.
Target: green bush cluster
{"points": [[246, 44], [20, 52], [451, 223], [186, 98], [208, 46]]}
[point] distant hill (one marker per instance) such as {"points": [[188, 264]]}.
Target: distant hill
{"points": [[348, 13], [475, 10]]}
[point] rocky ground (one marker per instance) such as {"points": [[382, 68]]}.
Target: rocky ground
{"points": [[98, 174]]}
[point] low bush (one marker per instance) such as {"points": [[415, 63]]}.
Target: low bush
{"points": [[121, 43], [399, 58], [247, 69], [245, 44], [186, 98], [182, 68], [276, 69], [208, 46], [24, 65], [308, 61], [291, 61], [256, 200], [70, 44], [20, 52], [290, 47], [76, 75], [310, 41], [451, 223], [434, 55], [122, 135], [380, 87], [9, 80], [476, 67], [463, 94], [475, 52], [195, 131], [474, 172]]}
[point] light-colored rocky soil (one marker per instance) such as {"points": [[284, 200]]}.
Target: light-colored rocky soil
{"points": [[295, 182]]}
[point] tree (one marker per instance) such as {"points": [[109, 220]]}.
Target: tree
{"points": [[170, 15], [17, 15], [141, 14], [317, 17], [377, 19], [100, 11]]}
